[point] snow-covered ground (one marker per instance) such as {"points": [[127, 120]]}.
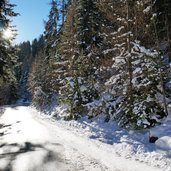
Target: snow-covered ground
{"points": [[30, 141]]}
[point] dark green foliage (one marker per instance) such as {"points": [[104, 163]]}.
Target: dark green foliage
{"points": [[8, 57], [24, 55], [51, 28]]}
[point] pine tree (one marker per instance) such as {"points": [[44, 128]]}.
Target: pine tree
{"points": [[7, 53], [49, 52], [136, 80], [90, 41], [51, 29], [81, 44], [65, 65]]}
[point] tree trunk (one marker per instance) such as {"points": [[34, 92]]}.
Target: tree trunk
{"points": [[129, 57], [161, 77]]}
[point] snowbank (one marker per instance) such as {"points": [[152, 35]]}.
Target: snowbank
{"points": [[117, 142], [163, 145]]}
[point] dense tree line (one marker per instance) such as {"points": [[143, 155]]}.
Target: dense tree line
{"points": [[106, 57], [27, 53]]}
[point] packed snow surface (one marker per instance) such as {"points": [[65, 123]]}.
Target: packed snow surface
{"points": [[30, 141]]}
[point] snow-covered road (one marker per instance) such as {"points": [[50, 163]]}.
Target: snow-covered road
{"points": [[29, 143]]}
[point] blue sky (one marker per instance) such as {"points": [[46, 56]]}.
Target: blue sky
{"points": [[30, 22]]}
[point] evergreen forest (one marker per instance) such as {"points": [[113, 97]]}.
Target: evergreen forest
{"points": [[95, 57]]}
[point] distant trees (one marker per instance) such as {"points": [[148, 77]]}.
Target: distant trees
{"points": [[24, 53], [36, 76]]}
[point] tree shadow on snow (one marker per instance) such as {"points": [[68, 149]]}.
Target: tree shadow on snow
{"points": [[4, 129], [13, 106], [12, 151], [2, 110]]}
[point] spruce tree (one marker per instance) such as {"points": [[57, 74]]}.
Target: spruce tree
{"points": [[7, 53], [65, 65], [89, 43], [136, 82], [52, 27]]}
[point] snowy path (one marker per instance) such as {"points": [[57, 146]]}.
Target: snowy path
{"points": [[29, 143]]}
